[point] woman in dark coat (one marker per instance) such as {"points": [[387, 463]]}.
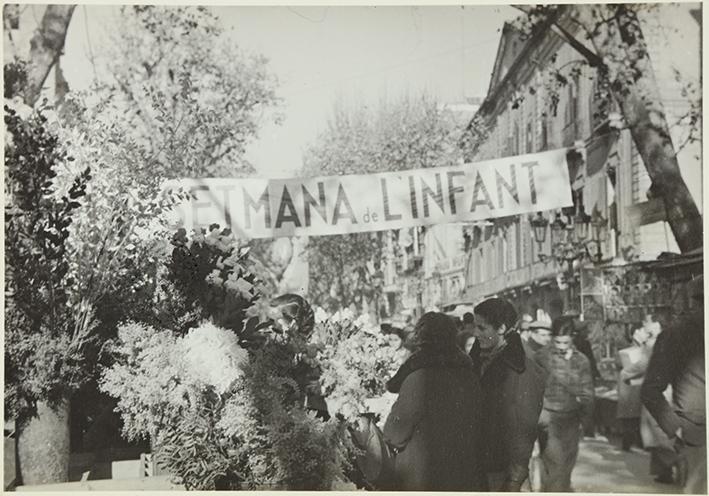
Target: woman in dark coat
{"points": [[435, 424]]}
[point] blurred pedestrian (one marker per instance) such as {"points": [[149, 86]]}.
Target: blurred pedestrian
{"points": [[524, 322], [630, 361], [468, 322], [396, 338], [678, 360], [568, 404], [539, 336], [513, 393], [663, 458], [466, 340], [435, 424], [582, 343]]}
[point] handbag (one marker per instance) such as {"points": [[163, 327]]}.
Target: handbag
{"points": [[376, 461]]}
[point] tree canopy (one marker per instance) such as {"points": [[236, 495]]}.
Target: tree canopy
{"points": [[410, 133]]}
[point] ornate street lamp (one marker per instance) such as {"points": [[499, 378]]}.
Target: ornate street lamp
{"points": [[558, 227], [539, 225], [599, 228], [581, 225], [570, 241]]}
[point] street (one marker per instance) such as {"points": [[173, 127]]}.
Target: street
{"points": [[602, 467]]}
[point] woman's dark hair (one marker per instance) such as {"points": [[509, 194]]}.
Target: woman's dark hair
{"points": [[562, 326], [497, 312], [435, 330], [296, 308]]}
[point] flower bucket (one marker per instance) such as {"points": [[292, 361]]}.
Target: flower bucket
{"points": [[43, 446]]}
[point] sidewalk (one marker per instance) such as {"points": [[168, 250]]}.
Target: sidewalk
{"points": [[602, 467]]}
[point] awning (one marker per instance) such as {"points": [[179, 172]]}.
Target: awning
{"points": [[647, 212]]}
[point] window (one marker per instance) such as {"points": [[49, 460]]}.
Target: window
{"points": [[519, 244], [505, 252], [572, 102], [529, 138], [543, 132]]}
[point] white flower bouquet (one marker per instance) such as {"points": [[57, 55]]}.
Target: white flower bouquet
{"points": [[356, 362]]}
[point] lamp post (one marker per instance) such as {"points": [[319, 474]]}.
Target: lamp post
{"points": [[581, 237]]}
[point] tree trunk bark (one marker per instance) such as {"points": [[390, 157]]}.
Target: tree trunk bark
{"points": [[43, 446], [45, 48], [650, 133], [634, 88]]}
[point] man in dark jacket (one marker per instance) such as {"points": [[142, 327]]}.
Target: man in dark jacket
{"points": [[512, 395], [678, 360], [581, 342], [435, 424], [568, 403]]}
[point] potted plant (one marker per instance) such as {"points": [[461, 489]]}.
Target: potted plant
{"points": [[44, 359]]}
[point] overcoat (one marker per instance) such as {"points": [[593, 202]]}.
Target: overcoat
{"points": [[513, 395], [633, 361], [435, 424]]}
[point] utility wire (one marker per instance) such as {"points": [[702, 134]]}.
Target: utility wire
{"points": [[390, 67], [88, 42], [324, 16]]}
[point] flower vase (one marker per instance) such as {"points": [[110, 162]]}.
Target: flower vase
{"points": [[43, 445], [155, 458]]}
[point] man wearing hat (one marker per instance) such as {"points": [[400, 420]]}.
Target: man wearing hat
{"points": [[539, 336], [678, 360]]}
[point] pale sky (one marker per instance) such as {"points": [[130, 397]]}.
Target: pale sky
{"points": [[323, 54]]}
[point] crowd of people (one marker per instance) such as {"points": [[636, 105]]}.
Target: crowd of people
{"points": [[473, 402]]}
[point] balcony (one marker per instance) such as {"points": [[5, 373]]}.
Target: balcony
{"points": [[451, 264], [512, 279]]}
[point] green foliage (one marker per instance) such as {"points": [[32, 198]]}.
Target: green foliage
{"points": [[172, 98], [196, 451], [278, 441], [207, 276], [15, 74], [146, 378], [356, 362], [408, 134], [254, 433], [223, 423], [187, 94], [42, 349]]}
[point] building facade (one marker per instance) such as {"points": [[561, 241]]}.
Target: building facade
{"points": [[522, 115]]}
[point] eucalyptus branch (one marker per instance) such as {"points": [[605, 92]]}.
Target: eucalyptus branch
{"points": [[593, 59]]}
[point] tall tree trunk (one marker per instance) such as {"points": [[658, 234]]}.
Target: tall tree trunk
{"points": [[45, 48], [650, 133], [635, 89]]}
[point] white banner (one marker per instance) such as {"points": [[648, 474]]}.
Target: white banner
{"points": [[271, 208]]}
